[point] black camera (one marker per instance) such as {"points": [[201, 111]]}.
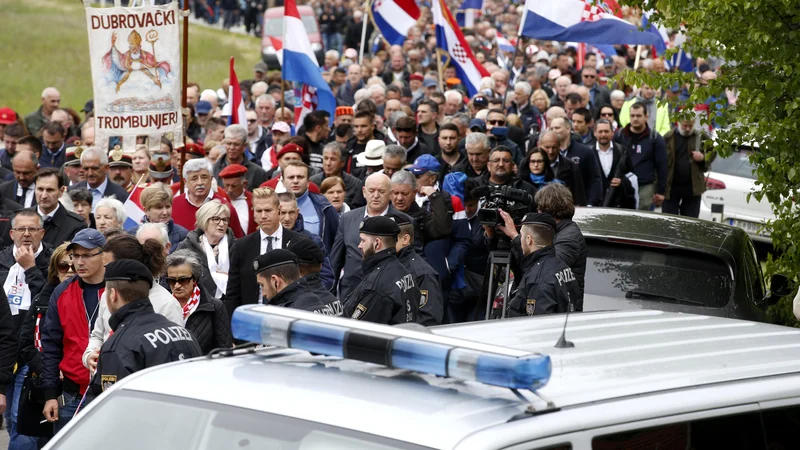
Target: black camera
{"points": [[513, 201]]}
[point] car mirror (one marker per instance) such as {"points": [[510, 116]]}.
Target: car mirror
{"points": [[779, 287]]}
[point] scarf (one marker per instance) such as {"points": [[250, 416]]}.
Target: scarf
{"points": [[219, 269], [16, 288], [652, 110], [538, 180], [191, 305]]}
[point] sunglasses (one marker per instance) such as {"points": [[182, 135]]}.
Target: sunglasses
{"points": [[589, 76], [252, 120], [182, 280], [606, 114], [497, 122], [64, 267]]}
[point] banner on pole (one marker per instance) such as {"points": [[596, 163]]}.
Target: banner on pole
{"points": [[136, 62]]}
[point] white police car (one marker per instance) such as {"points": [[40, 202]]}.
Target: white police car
{"points": [[634, 379]]}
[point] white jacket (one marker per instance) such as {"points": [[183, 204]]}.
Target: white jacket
{"points": [[163, 303]]}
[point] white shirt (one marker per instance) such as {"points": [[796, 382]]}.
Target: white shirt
{"points": [[277, 242], [385, 211], [208, 197], [28, 202], [280, 188], [606, 158], [242, 211], [52, 213]]}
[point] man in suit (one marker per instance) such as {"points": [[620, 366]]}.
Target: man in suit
{"points": [[95, 165], [242, 284], [583, 157], [615, 162], [21, 188], [60, 225], [345, 253]]}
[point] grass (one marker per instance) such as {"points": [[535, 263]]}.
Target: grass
{"points": [[44, 43]]}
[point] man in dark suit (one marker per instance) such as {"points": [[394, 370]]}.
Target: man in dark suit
{"points": [[60, 225], [345, 253], [95, 165], [583, 157], [615, 162], [21, 188], [242, 284]]}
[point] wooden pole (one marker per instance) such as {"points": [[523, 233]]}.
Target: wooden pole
{"points": [[513, 58], [363, 32], [440, 68], [638, 56], [184, 83]]}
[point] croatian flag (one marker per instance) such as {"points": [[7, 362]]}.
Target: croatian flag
{"points": [[661, 32], [465, 16], [580, 21], [299, 63], [450, 39], [394, 18], [504, 44], [133, 209], [235, 105]]}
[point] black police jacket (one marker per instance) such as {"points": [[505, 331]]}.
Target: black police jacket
{"points": [[141, 339], [426, 279], [386, 294], [548, 286], [298, 295], [332, 304]]}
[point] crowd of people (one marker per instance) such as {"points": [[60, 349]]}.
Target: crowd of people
{"points": [[370, 211]]}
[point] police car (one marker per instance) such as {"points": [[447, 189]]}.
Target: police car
{"points": [[633, 379]]}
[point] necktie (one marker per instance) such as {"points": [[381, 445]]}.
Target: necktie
{"points": [[269, 242], [21, 199]]}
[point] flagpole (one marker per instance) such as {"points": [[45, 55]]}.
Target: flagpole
{"points": [[184, 82], [516, 53], [638, 55], [440, 68], [363, 32]]}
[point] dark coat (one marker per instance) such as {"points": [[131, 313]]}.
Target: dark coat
{"points": [[8, 343], [548, 286], [353, 195], [210, 324], [63, 227], [255, 174], [192, 242], [585, 158], [649, 155], [8, 189], [332, 303], [572, 249], [112, 188], [298, 295], [326, 273], [29, 355], [426, 279], [35, 277], [698, 169], [623, 195]]}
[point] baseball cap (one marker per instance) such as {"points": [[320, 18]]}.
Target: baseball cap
{"points": [[202, 107], [424, 164], [7, 116], [88, 238], [429, 82], [608, 61], [88, 106], [260, 67], [282, 127], [478, 123]]}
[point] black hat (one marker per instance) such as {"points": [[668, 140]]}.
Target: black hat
{"points": [[379, 226], [128, 270], [273, 258], [539, 219], [307, 251], [399, 219]]}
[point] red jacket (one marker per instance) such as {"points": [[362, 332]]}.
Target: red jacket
{"points": [[183, 213]]}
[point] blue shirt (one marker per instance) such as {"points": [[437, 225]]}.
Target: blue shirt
{"points": [[97, 194], [311, 220], [50, 159]]}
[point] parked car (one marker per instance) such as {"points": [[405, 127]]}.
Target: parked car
{"points": [[729, 182], [644, 260], [272, 35]]}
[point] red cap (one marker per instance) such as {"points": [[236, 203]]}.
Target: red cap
{"points": [[7, 116], [344, 111], [195, 149], [290, 148], [233, 171], [416, 77]]}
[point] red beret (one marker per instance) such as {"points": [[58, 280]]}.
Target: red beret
{"points": [[417, 77], [344, 111], [233, 171], [290, 148], [195, 149]]}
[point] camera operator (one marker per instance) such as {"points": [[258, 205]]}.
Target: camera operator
{"points": [[501, 173], [548, 284]]}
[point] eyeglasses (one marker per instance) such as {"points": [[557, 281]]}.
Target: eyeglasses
{"points": [[216, 220], [252, 120], [537, 161], [25, 230], [500, 160], [77, 257], [64, 267], [496, 122], [182, 280]]}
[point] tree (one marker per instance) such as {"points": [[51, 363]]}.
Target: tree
{"points": [[759, 40]]}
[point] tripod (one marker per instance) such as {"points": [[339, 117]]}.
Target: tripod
{"points": [[500, 260]]}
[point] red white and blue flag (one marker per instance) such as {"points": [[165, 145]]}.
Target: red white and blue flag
{"points": [[235, 105], [450, 39], [394, 18], [581, 21], [133, 209], [305, 101], [299, 63], [504, 44]]}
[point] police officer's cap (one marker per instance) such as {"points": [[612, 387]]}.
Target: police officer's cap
{"points": [[539, 219], [379, 226], [128, 270], [306, 250], [399, 219], [273, 258]]}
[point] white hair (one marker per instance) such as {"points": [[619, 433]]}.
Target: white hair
{"points": [[477, 139], [647, 64], [265, 98], [94, 153], [235, 132], [163, 232], [404, 177], [376, 81], [361, 95], [617, 94], [115, 205], [524, 85], [209, 96], [454, 95], [566, 78], [332, 53], [196, 165], [377, 89], [487, 83], [259, 88]]}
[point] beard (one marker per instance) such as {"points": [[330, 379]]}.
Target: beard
{"points": [[369, 252], [684, 132]]}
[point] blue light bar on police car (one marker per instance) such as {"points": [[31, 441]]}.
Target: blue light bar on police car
{"points": [[393, 347]]}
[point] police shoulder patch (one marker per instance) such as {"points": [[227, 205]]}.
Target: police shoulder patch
{"points": [[530, 307], [359, 312], [106, 381], [423, 297]]}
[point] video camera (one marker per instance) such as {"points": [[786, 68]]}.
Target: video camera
{"points": [[513, 201]]}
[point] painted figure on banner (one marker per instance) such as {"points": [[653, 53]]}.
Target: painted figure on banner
{"points": [[121, 65]]}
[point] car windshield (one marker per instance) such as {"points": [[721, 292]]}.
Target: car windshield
{"points": [[172, 423], [274, 25], [656, 275], [738, 164]]}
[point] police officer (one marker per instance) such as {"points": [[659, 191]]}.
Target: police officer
{"points": [[309, 262], [279, 277], [387, 293], [426, 279], [141, 338], [548, 285]]}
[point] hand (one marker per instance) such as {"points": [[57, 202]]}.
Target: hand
{"points": [[658, 199], [698, 156], [92, 360], [2, 403], [51, 410], [426, 190], [25, 257], [508, 228], [615, 182]]}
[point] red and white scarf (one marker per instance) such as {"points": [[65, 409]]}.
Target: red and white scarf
{"points": [[191, 305]]}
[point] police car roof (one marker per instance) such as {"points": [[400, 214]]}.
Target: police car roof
{"points": [[617, 355]]}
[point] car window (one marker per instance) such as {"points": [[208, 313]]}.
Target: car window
{"points": [[274, 26], [773, 429], [738, 164], [656, 274], [173, 423]]}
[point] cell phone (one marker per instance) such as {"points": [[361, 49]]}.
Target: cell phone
{"points": [[499, 131]]}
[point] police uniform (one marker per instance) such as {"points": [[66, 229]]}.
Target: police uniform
{"points": [[548, 285], [141, 338], [308, 252], [296, 294], [387, 293], [426, 279]]}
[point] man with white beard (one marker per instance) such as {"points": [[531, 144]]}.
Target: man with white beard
{"points": [[687, 162]]}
